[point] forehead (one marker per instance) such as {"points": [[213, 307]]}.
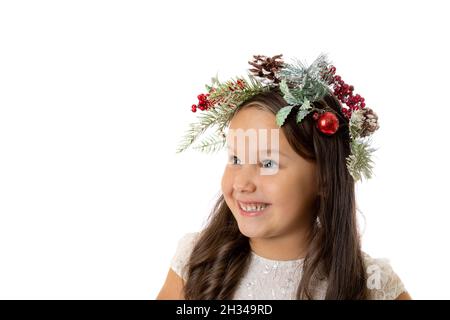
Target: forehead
{"points": [[254, 118]]}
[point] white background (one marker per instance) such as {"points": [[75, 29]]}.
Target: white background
{"points": [[95, 95]]}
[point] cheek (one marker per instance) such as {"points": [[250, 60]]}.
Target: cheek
{"points": [[227, 189], [291, 192], [227, 184]]}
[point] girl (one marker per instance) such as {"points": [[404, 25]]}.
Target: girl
{"points": [[290, 231]]}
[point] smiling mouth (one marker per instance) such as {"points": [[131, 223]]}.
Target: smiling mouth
{"points": [[252, 209]]}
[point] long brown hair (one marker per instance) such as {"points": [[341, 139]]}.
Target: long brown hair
{"points": [[221, 254]]}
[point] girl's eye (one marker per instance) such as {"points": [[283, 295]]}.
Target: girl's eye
{"points": [[269, 164], [233, 158]]}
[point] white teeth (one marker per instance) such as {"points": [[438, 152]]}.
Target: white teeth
{"points": [[253, 207]]}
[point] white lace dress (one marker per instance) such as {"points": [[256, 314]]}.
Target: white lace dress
{"points": [[268, 279]]}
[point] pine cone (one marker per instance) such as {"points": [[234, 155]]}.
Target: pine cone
{"points": [[370, 123], [265, 67]]}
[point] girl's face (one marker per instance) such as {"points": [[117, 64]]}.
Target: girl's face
{"points": [[289, 193]]}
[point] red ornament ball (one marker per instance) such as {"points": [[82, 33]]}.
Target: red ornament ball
{"points": [[328, 123]]}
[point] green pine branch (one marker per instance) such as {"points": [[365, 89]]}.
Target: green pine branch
{"points": [[359, 162], [217, 115], [355, 124], [212, 143], [297, 72], [225, 96], [307, 82], [225, 101]]}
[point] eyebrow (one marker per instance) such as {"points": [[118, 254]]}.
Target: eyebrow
{"points": [[271, 150]]}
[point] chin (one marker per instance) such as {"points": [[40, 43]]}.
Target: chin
{"points": [[251, 230]]}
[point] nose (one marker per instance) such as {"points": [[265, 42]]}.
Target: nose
{"points": [[244, 180]]}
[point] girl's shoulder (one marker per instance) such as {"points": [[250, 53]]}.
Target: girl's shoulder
{"points": [[182, 253], [382, 281]]}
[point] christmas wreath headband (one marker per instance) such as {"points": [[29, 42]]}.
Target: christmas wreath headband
{"points": [[300, 85]]}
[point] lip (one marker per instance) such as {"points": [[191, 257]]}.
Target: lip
{"points": [[252, 213], [249, 202]]}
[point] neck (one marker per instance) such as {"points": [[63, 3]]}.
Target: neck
{"points": [[289, 246]]}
